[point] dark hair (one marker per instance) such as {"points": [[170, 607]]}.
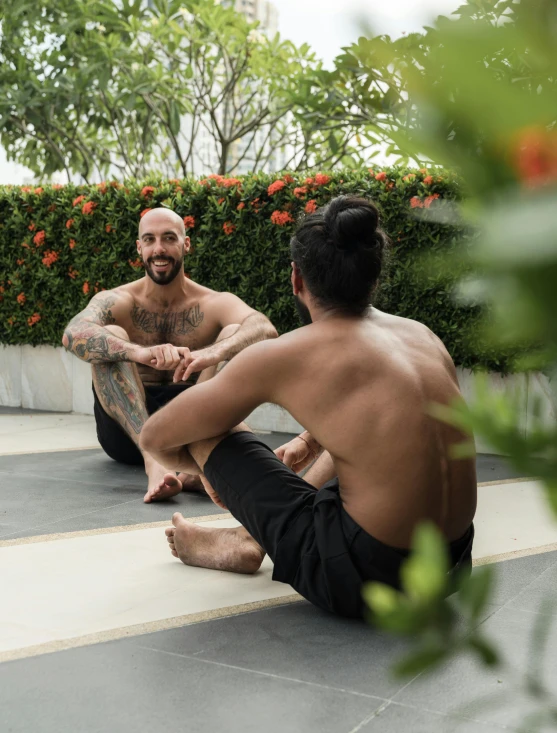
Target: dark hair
{"points": [[339, 252]]}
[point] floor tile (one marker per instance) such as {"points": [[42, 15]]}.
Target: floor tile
{"points": [[542, 589], [514, 576], [464, 687], [396, 718], [115, 687], [297, 641]]}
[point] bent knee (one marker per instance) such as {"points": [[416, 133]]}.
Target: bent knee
{"points": [[228, 331], [118, 331]]}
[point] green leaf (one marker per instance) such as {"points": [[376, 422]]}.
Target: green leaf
{"points": [[420, 661]]}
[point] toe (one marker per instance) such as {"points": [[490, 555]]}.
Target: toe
{"points": [[169, 531], [178, 519]]}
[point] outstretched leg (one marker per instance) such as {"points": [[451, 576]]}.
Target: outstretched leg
{"points": [[121, 393]]}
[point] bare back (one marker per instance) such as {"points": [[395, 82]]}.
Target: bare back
{"points": [[362, 387]]}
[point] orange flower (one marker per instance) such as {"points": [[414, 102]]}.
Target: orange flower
{"points": [[69, 223], [256, 203], [20, 262], [26, 189], [35, 318], [430, 199], [108, 228], [189, 222], [416, 202], [281, 218], [135, 263], [535, 156], [72, 273], [52, 207], [300, 192], [32, 227], [50, 257], [174, 180], [11, 321], [220, 201], [409, 177], [321, 179], [370, 170], [228, 228], [114, 184], [39, 238], [229, 182], [38, 191], [311, 206], [78, 200], [85, 288], [72, 243], [288, 178], [145, 211], [309, 181], [57, 186], [423, 170], [275, 187], [103, 188], [382, 176], [428, 180], [147, 191], [241, 206], [25, 245], [21, 298], [89, 207]]}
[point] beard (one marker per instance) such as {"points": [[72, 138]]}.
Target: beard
{"points": [[164, 278], [303, 311]]}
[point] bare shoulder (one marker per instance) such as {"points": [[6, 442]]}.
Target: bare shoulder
{"points": [[108, 307], [226, 308]]}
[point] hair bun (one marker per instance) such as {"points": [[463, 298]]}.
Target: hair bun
{"points": [[352, 223]]}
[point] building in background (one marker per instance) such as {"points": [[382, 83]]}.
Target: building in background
{"points": [[262, 11]]}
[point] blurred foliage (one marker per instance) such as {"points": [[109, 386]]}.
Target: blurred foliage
{"points": [[485, 101]]}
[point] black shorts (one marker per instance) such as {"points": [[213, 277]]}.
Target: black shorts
{"points": [[314, 544], [114, 440]]}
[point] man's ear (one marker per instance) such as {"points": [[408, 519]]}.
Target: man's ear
{"points": [[138, 244], [187, 245], [296, 280]]}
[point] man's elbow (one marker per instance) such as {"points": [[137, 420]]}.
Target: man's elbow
{"points": [[65, 340], [270, 331]]}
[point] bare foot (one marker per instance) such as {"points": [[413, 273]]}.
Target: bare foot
{"points": [[166, 487], [218, 549], [191, 483]]}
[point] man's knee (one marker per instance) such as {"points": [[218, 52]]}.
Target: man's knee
{"points": [[118, 331], [228, 331]]}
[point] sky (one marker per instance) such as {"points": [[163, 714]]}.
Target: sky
{"points": [[328, 25]]}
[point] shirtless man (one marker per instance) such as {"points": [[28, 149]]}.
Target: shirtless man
{"points": [[148, 340], [361, 382]]}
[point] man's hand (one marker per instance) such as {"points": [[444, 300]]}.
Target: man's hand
{"points": [[162, 357], [298, 453], [197, 361]]}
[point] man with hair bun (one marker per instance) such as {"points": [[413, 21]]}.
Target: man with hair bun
{"points": [[361, 382]]}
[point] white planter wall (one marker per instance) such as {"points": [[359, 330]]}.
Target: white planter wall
{"points": [[48, 378]]}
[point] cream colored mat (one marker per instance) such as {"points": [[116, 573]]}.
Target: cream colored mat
{"points": [[45, 433], [73, 590]]}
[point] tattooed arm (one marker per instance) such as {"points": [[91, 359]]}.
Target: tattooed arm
{"points": [[86, 336], [230, 310]]}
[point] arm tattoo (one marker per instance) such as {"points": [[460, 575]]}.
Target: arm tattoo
{"points": [[178, 322]]}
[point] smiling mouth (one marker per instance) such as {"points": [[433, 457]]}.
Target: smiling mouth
{"points": [[160, 263]]}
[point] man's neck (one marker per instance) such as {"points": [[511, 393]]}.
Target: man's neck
{"points": [[165, 296]]}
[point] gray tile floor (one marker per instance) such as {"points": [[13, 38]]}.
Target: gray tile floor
{"points": [[291, 668]]}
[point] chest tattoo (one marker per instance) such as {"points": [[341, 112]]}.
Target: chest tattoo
{"points": [[178, 322]]}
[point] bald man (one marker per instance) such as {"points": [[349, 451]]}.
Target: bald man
{"points": [[150, 339]]}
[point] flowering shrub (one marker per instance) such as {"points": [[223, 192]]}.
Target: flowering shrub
{"points": [[83, 240]]}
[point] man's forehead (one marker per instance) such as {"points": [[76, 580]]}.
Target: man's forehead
{"points": [[161, 221]]}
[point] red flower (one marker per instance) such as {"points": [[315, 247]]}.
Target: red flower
{"points": [[108, 228], [416, 202], [50, 257], [220, 201], [26, 189], [430, 199], [89, 207], [229, 182], [39, 238], [241, 206], [409, 177], [371, 171], [382, 176], [78, 200], [25, 245], [69, 223], [311, 206], [281, 218], [35, 318], [32, 227], [73, 273], [300, 192], [174, 180], [275, 187], [147, 191], [72, 243], [38, 190], [57, 186], [256, 203], [52, 207], [535, 156], [20, 262], [189, 222], [228, 228], [309, 181], [428, 180], [321, 179], [21, 298], [135, 263], [85, 288], [145, 211], [423, 170], [288, 178]]}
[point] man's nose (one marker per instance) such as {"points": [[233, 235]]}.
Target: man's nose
{"points": [[159, 246]]}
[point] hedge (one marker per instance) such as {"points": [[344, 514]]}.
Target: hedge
{"points": [[61, 244]]}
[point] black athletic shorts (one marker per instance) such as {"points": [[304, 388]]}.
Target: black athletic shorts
{"points": [[314, 544], [114, 440]]}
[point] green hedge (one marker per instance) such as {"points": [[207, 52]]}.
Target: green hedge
{"points": [[60, 244]]}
